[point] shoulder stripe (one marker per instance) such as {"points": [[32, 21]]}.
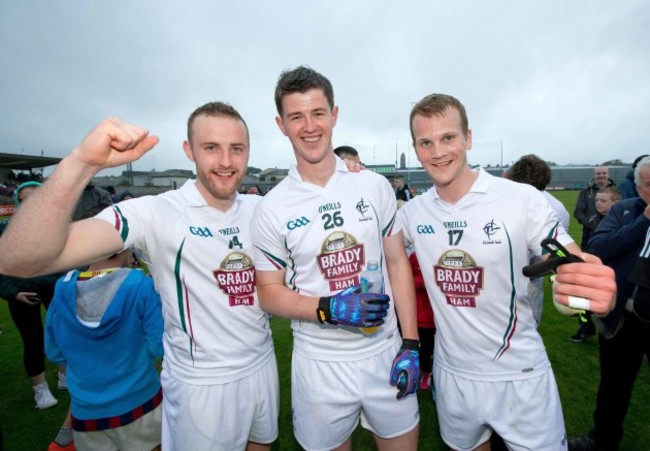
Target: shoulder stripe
{"points": [[275, 261], [121, 223], [388, 230]]}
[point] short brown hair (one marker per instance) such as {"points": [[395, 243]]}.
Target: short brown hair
{"points": [[215, 109], [532, 170], [616, 194], [302, 79], [438, 105]]}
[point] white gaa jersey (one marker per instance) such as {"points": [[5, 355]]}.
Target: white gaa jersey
{"points": [[201, 262], [323, 237], [559, 208], [472, 254]]}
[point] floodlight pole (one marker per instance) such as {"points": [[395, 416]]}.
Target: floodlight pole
{"points": [[501, 153]]}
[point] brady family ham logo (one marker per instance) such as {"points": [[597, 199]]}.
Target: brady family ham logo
{"points": [[341, 260], [458, 277], [236, 277]]}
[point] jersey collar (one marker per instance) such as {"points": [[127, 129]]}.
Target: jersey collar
{"points": [[194, 198], [295, 175], [481, 184]]}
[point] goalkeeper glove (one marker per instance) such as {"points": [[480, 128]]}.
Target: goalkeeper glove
{"points": [[405, 374], [353, 308]]}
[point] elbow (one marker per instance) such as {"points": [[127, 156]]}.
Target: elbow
{"points": [[263, 300]]}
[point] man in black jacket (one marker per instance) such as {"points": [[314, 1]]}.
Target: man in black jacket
{"points": [[402, 191]]}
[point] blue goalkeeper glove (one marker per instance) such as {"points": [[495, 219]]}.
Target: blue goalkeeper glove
{"points": [[405, 374], [353, 308]]}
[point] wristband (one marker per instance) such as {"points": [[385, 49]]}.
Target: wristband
{"points": [[408, 343], [323, 312]]}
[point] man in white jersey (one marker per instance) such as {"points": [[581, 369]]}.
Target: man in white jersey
{"points": [[196, 242], [313, 234], [472, 233], [534, 171]]}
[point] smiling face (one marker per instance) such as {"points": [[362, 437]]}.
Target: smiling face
{"points": [[308, 121], [220, 148], [441, 146], [601, 175]]}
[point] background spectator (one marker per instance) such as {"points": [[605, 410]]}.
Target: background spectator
{"points": [[402, 191], [586, 204], [25, 297], [90, 198], [255, 189], [628, 187], [532, 170], [347, 153], [125, 195], [111, 190], [623, 337]]}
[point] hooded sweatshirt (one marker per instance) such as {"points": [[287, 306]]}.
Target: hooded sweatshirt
{"points": [[108, 330]]}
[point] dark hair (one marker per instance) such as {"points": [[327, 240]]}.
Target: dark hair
{"points": [[346, 150], [302, 79], [532, 170], [438, 105], [215, 109], [636, 161]]}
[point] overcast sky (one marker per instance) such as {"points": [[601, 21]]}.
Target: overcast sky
{"points": [[567, 80]]}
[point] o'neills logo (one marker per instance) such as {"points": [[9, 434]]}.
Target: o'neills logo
{"points": [[459, 278], [341, 260], [236, 277]]}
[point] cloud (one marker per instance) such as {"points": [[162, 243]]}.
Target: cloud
{"points": [[565, 80]]}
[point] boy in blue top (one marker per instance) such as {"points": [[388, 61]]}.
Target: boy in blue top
{"points": [[106, 325]]}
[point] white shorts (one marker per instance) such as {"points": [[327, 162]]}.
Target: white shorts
{"points": [[328, 398], [221, 417], [141, 435], [527, 414]]}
